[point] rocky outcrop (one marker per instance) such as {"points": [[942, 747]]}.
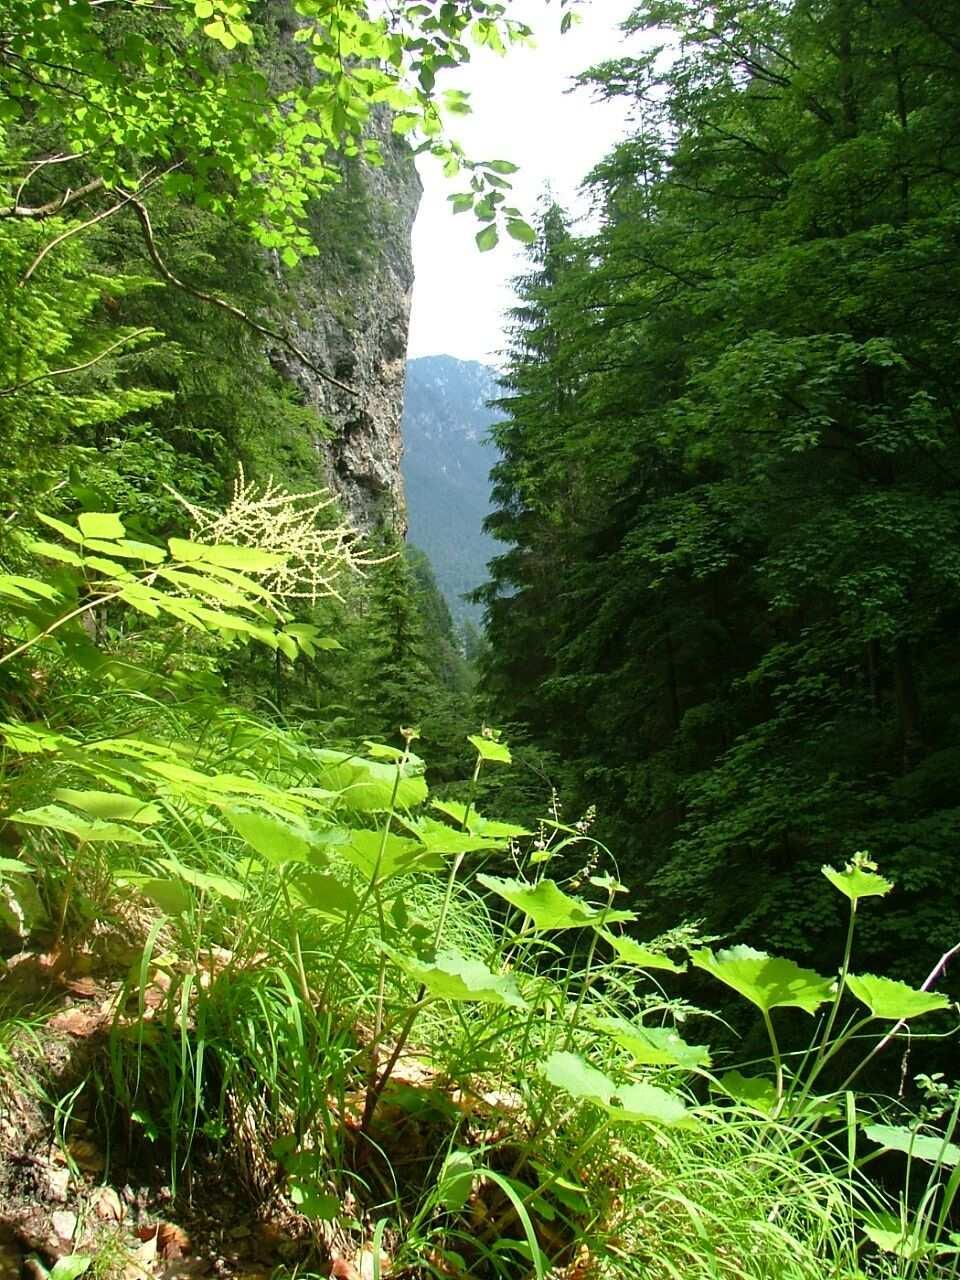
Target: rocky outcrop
{"points": [[349, 314]]}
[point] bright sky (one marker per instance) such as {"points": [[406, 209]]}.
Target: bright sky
{"points": [[522, 113]]}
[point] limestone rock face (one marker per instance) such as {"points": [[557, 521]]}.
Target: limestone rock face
{"points": [[349, 314]]}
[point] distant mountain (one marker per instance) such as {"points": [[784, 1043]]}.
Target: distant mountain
{"points": [[446, 470]]}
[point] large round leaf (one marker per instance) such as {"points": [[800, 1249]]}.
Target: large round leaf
{"points": [[548, 906], [454, 977], [654, 1046], [886, 998], [769, 982]]}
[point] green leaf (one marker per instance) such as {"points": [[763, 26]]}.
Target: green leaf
{"points": [[521, 231], [767, 981], [488, 239], [242, 559], [65, 530], [857, 883], [753, 1091], [223, 886], [886, 998], [54, 818], [548, 906], [21, 588], [171, 896], [313, 1203], [642, 957], [111, 804], [654, 1046], [203, 8], [647, 1102], [490, 749], [70, 1267], [892, 1235], [276, 839], [501, 166], [922, 1146], [50, 551], [367, 786], [13, 867], [455, 1181], [634, 1102], [454, 977], [326, 895], [575, 1076], [101, 524], [371, 853]]}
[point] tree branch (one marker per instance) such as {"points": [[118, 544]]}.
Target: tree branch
{"points": [[141, 211], [75, 368], [17, 210]]}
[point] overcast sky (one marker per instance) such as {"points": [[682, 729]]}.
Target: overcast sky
{"points": [[521, 112]]}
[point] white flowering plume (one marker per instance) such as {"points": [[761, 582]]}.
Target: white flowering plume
{"points": [[316, 554]]}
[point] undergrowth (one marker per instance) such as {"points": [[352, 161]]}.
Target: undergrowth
{"points": [[430, 1035]]}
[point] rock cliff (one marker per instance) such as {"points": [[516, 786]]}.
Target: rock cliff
{"points": [[349, 313]]}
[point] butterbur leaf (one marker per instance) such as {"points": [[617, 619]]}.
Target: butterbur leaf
{"points": [[101, 524], [171, 896], [55, 818], [548, 906], [372, 854], [313, 1203], [633, 953], [654, 1046], [111, 804], [222, 886], [455, 1181], [275, 839], [367, 786], [326, 895], [647, 1102], [894, 1236], [856, 883], [886, 998], [634, 1102], [454, 977], [574, 1075], [769, 982], [922, 1146], [753, 1091], [490, 749]]}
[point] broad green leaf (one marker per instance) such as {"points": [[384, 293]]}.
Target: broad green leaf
{"points": [[647, 1102], [856, 883], [477, 824], [575, 1076], [367, 786], [30, 739], [313, 1203], [655, 1046], [455, 1181], [634, 1102], [548, 906], [371, 854], [171, 896], [886, 998], [893, 1236], [521, 231], [489, 749], [922, 1146], [642, 957], [111, 804], [437, 837], [223, 886], [457, 978], [276, 839], [488, 238], [70, 1267], [101, 524], [326, 895], [55, 818], [769, 982], [753, 1091]]}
